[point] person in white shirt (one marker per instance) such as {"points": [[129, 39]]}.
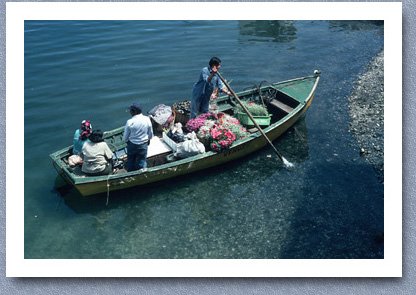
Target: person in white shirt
{"points": [[137, 133], [98, 157]]}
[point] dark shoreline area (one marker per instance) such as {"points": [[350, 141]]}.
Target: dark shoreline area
{"points": [[366, 110]]}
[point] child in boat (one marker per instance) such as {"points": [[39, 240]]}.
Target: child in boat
{"points": [[98, 158]]}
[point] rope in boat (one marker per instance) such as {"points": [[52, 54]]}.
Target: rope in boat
{"points": [[271, 93], [261, 96]]}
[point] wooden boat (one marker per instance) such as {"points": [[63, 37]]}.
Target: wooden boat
{"points": [[287, 102]]}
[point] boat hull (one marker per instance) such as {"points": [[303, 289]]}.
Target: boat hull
{"points": [[104, 184]]}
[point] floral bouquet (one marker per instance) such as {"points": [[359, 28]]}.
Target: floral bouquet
{"points": [[222, 138], [217, 131], [239, 131], [208, 116], [203, 132], [198, 122], [225, 119], [233, 124]]}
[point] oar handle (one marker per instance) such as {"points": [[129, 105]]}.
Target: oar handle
{"points": [[250, 116]]}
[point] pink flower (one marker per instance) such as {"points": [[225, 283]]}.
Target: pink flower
{"points": [[196, 123]]}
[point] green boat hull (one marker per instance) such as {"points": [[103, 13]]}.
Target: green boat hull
{"points": [[296, 97]]}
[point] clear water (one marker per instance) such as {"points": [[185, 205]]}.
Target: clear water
{"points": [[330, 205]]}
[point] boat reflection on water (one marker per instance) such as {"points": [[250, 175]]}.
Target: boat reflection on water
{"points": [[281, 31], [73, 199], [356, 25]]}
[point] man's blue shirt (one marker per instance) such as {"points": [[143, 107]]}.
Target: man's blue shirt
{"points": [[203, 89]]}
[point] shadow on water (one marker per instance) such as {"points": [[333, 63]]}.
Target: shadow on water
{"points": [[354, 230], [255, 167]]}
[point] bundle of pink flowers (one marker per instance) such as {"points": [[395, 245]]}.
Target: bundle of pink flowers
{"points": [[195, 124], [225, 119], [222, 138], [233, 124], [218, 130]]}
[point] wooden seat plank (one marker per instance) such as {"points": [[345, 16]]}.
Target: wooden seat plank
{"points": [[282, 106]]}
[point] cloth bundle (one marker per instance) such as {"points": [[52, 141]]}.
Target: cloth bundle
{"points": [[176, 133], [74, 160], [190, 147], [161, 114]]}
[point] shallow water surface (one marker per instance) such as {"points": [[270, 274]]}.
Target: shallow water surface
{"points": [[329, 205]]}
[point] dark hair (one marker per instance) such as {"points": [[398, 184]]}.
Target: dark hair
{"points": [[138, 112], [96, 136], [136, 107], [215, 61]]}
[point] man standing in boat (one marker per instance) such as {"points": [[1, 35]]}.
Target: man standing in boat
{"points": [[137, 133], [208, 81]]}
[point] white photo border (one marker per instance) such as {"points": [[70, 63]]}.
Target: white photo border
{"points": [[390, 12]]}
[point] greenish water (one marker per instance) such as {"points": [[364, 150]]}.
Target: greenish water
{"points": [[329, 206]]}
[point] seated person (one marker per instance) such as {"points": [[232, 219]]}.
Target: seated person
{"points": [[81, 136], [98, 158]]}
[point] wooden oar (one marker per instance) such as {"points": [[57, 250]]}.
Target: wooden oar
{"points": [[286, 162]]}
